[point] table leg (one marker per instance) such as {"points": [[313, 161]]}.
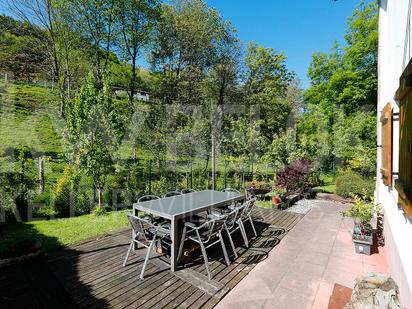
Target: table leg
{"points": [[174, 235], [135, 245]]}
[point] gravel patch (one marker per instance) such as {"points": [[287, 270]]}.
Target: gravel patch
{"points": [[302, 206]]}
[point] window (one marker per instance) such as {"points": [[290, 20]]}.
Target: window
{"points": [[386, 169]]}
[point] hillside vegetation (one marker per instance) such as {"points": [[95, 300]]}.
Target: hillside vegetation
{"points": [[219, 115]]}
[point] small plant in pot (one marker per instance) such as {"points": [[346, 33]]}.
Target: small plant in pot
{"points": [[277, 194], [362, 213]]}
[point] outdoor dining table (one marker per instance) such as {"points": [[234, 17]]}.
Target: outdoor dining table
{"points": [[177, 208]]}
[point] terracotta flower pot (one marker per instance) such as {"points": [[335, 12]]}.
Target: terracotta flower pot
{"points": [[276, 200]]}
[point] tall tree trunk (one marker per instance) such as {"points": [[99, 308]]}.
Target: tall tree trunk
{"points": [[206, 165], [133, 82], [41, 175], [99, 197], [134, 153]]}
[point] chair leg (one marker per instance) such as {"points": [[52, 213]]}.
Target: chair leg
{"points": [[149, 250], [242, 230], [202, 246], [181, 245], [231, 243], [128, 252], [253, 225], [224, 249]]}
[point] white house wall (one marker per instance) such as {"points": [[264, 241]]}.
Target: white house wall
{"points": [[393, 15]]}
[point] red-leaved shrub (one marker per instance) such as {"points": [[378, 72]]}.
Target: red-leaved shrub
{"points": [[295, 177]]}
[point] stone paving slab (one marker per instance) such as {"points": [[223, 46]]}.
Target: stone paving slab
{"points": [[302, 270]]}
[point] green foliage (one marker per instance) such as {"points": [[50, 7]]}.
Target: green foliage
{"points": [[325, 189], [267, 80], [63, 193], [338, 128], [351, 184], [277, 191], [99, 211], [283, 149], [361, 211], [95, 129]]}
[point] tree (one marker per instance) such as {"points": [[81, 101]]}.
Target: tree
{"points": [[266, 83], [95, 131], [135, 19], [94, 21], [183, 49], [343, 90], [223, 77], [51, 20]]}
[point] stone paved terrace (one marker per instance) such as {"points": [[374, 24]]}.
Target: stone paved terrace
{"points": [[303, 269]]}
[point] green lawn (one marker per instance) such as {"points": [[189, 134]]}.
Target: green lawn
{"points": [[57, 233], [264, 204], [325, 189]]}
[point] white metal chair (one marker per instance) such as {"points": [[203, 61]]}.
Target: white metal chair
{"points": [[149, 217], [145, 198], [172, 193], [146, 234], [246, 215], [187, 190], [234, 223], [225, 209], [231, 190], [206, 235]]}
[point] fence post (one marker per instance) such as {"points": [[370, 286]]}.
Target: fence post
{"points": [[225, 176], [191, 174], [150, 177], [41, 174]]}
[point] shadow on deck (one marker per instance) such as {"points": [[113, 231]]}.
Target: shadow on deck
{"points": [[91, 274]]}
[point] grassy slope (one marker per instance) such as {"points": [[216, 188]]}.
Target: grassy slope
{"points": [[28, 117], [56, 233]]}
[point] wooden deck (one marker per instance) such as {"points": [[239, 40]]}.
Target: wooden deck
{"points": [[91, 274]]}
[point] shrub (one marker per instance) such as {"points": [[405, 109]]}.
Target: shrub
{"points": [[160, 187], [42, 198], [84, 195], [295, 177], [47, 210], [63, 191], [351, 184], [362, 213]]}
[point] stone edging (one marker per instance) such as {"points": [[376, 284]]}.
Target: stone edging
{"points": [[19, 259]]}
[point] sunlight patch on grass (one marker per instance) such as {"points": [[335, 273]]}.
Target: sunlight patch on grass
{"points": [[57, 233]]}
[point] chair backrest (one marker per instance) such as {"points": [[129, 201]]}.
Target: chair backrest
{"points": [[187, 190], [248, 207], [231, 190], [236, 214], [138, 225], [172, 193], [147, 198], [233, 216], [214, 226]]}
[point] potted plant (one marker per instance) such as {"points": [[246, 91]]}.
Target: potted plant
{"points": [[277, 195], [258, 187], [362, 213]]}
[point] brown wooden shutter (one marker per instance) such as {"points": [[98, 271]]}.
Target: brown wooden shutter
{"points": [[386, 120], [404, 182]]}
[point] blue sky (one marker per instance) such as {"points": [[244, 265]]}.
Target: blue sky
{"points": [[297, 27]]}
